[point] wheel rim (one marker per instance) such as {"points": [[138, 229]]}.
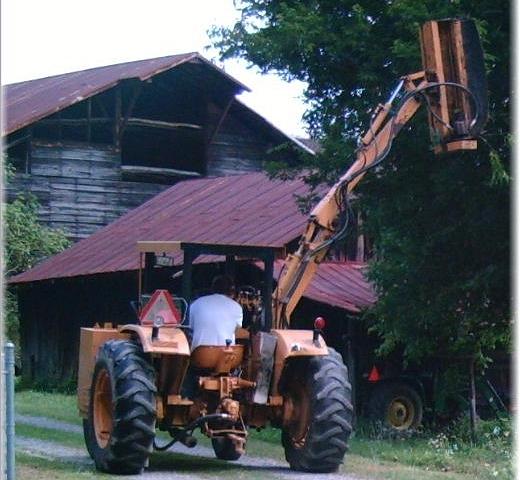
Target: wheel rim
{"points": [[298, 407], [401, 413], [103, 409]]}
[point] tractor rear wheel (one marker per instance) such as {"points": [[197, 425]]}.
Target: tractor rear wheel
{"points": [[120, 428], [317, 414], [225, 449]]}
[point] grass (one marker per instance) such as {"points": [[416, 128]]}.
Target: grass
{"points": [[69, 439], [29, 467], [433, 458], [51, 405]]}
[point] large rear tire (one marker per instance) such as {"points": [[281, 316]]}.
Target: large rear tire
{"points": [[396, 405], [120, 428], [318, 414]]}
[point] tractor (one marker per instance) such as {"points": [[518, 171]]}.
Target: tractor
{"points": [[133, 377]]}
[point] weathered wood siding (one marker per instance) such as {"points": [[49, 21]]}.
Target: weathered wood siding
{"points": [[236, 148], [52, 313], [79, 187]]}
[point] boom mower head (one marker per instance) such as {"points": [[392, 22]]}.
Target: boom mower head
{"points": [[453, 58]]}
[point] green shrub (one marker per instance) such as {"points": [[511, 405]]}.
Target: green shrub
{"points": [[27, 242]]}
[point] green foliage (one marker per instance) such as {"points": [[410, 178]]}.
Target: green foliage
{"points": [[27, 242], [440, 225]]}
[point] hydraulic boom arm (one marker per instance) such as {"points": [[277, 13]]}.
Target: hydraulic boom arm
{"points": [[321, 229]]}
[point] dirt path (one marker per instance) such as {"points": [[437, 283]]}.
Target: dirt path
{"points": [[261, 467]]}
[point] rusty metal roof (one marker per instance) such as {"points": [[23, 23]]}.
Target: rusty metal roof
{"points": [[339, 284], [248, 209], [27, 102]]}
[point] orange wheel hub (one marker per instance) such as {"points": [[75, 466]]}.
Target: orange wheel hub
{"points": [[298, 415], [103, 408]]}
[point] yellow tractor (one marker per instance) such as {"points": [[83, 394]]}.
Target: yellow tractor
{"points": [[132, 378]]}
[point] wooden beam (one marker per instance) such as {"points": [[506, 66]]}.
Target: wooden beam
{"points": [[131, 121], [89, 119], [71, 122], [60, 129], [28, 151], [220, 120], [16, 141], [117, 118], [135, 95], [169, 172], [159, 247], [142, 122]]}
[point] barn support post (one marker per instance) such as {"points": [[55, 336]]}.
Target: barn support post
{"points": [[230, 266], [117, 118], [28, 151], [136, 91], [89, 120], [187, 272]]}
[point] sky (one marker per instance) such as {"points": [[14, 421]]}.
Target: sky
{"points": [[40, 38]]}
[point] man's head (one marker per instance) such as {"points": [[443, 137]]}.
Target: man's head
{"points": [[223, 284]]}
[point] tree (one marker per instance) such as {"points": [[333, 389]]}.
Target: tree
{"points": [[440, 226]]}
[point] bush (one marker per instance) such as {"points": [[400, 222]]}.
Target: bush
{"points": [[27, 242]]}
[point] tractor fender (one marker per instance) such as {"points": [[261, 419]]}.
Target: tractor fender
{"points": [[170, 340], [294, 344]]}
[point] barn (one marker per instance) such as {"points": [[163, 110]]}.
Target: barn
{"points": [[94, 144]]}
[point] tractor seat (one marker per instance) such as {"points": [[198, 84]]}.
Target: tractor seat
{"points": [[217, 358]]}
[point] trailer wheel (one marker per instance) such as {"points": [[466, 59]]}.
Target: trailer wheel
{"points": [[317, 414], [120, 428], [396, 405], [225, 449]]}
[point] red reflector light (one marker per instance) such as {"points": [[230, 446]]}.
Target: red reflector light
{"points": [[319, 323], [374, 375]]}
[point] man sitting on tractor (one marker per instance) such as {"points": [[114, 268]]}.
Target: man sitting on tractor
{"points": [[214, 318]]}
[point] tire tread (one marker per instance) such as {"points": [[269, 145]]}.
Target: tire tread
{"points": [[133, 432], [331, 424]]}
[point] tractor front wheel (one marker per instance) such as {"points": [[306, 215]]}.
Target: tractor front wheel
{"points": [[317, 414], [120, 428]]}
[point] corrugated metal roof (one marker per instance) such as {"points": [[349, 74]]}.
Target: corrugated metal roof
{"points": [[247, 209], [244, 209], [339, 284], [27, 102]]}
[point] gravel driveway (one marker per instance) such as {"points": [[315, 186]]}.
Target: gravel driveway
{"points": [[261, 467]]}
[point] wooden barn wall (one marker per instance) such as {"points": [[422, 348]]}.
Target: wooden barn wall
{"points": [[52, 313], [79, 186], [236, 148]]}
